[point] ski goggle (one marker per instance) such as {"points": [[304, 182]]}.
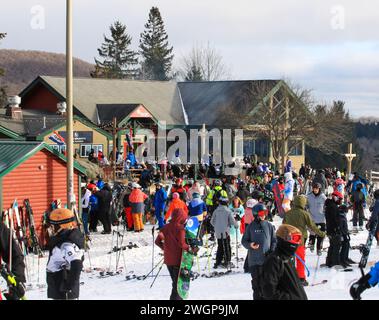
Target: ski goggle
{"points": [[295, 238]]}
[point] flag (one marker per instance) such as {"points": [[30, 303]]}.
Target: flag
{"points": [[57, 138]]}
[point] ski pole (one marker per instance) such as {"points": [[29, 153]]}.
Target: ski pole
{"points": [[237, 246], [152, 255], [161, 261], [156, 275], [10, 238], [314, 276]]}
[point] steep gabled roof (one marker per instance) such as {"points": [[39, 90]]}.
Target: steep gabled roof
{"points": [[106, 112], [210, 102], [160, 98], [13, 153]]}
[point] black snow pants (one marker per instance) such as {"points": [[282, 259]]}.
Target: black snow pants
{"points": [[174, 274]]}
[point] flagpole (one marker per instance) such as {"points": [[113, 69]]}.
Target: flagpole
{"points": [[69, 102]]}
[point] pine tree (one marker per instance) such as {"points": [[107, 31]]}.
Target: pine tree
{"points": [[118, 61], [194, 74], [155, 49], [3, 94]]}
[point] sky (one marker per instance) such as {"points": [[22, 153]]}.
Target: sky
{"points": [[330, 47]]}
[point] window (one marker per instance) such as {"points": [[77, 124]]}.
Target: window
{"points": [[262, 148], [58, 148], [249, 147], [85, 149], [297, 150]]}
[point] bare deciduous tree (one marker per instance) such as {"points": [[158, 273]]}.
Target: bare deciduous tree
{"points": [[203, 63]]}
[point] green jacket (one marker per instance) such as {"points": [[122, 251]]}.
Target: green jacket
{"points": [[301, 219]]}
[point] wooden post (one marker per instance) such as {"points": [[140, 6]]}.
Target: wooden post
{"points": [[349, 157], [285, 131], [114, 160]]}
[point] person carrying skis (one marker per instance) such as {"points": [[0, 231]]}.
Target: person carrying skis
{"points": [[302, 220], [222, 219], [259, 239], [316, 202], [280, 280], [16, 276], [176, 203], [66, 255], [171, 239], [159, 203]]}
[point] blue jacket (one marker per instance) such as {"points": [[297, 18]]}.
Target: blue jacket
{"points": [[132, 159], [100, 184], [160, 198], [196, 207], [374, 273], [93, 202]]}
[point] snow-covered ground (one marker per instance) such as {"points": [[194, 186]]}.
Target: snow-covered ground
{"points": [[236, 286]]}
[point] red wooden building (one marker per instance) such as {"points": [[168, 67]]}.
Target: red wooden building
{"points": [[34, 171]]}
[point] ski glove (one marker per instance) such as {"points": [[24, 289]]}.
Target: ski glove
{"points": [[358, 287], [16, 292]]}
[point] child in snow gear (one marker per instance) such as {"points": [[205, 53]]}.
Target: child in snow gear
{"points": [[15, 278], [171, 239], [367, 281], [66, 255], [301, 219], [222, 220], [280, 280], [259, 238], [176, 203], [345, 261], [316, 202]]}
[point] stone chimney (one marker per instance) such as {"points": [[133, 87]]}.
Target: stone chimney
{"points": [[13, 108]]}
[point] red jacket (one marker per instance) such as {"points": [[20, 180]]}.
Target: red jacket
{"points": [[171, 238]]}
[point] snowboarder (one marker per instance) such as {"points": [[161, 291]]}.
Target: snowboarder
{"points": [[171, 239], [222, 219], [280, 280], [301, 219], [17, 291], [316, 202], [66, 255], [367, 281], [259, 239]]}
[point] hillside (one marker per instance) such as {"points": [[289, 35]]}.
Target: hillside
{"points": [[22, 67]]}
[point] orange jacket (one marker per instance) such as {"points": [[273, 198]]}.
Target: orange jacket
{"points": [[176, 204], [137, 196]]}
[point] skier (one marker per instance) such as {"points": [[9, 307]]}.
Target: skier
{"points": [[66, 255], [374, 216], [333, 229], [159, 203], [345, 261], [85, 209], [302, 220], [128, 208], [93, 205], [238, 211], [171, 239], [104, 197], [222, 219], [176, 203], [259, 239], [197, 207], [280, 280], [137, 199], [17, 290], [288, 191], [367, 281], [316, 202], [358, 199]]}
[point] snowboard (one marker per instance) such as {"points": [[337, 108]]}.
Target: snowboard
{"points": [[192, 230], [278, 199], [365, 248]]}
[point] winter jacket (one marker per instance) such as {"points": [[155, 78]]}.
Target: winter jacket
{"points": [[171, 238], [137, 198], [240, 211], [196, 207], [332, 218], [374, 273], [222, 219], [104, 197], [85, 199], [316, 207], [93, 202], [176, 204], [374, 218], [182, 192], [66, 255], [262, 233], [18, 265], [160, 198], [339, 185], [357, 198], [192, 190], [300, 218], [288, 189], [344, 229], [280, 280], [320, 178]]}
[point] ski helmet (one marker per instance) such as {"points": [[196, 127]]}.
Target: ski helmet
{"points": [[289, 234], [250, 203], [337, 195], [259, 210], [64, 218], [218, 182]]}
